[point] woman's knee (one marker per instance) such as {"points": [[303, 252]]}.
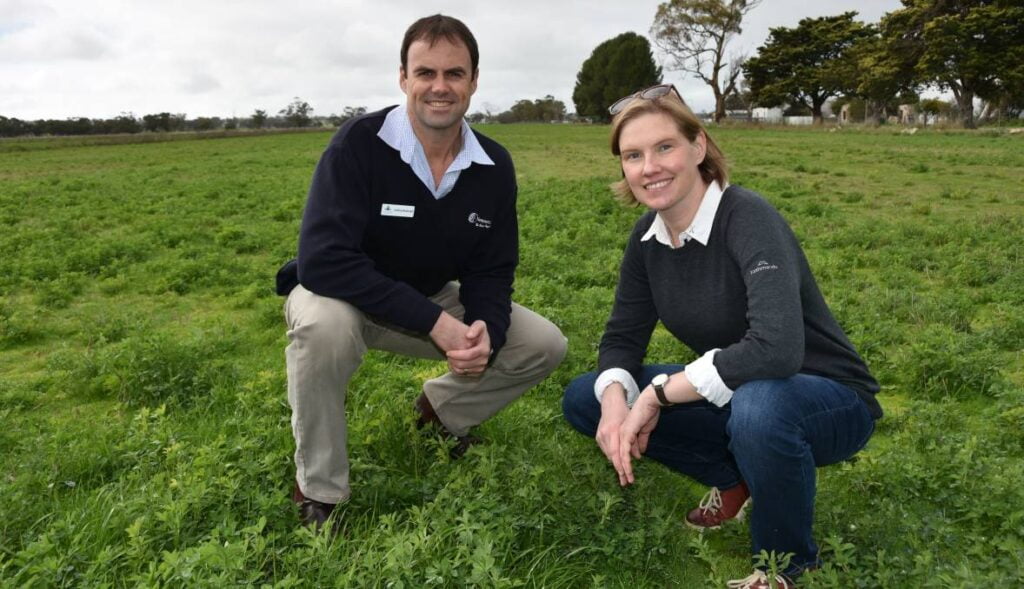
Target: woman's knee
{"points": [[579, 406], [757, 415]]}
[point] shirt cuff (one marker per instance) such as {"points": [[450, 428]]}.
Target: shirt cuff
{"points": [[620, 376], [703, 375]]}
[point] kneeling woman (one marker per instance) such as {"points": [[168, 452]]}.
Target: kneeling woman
{"points": [[777, 389]]}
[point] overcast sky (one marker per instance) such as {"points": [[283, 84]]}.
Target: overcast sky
{"points": [[97, 58]]}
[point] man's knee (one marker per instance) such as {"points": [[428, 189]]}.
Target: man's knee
{"points": [[538, 345], [552, 346], [322, 324]]}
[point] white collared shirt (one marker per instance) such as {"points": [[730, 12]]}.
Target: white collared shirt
{"points": [[701, 373], [398, 133], [700, 227]]}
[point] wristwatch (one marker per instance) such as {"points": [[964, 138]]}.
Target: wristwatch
{"points": [[659, 382]]}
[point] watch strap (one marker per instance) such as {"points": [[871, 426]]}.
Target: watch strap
{"points": [[659, 392]]}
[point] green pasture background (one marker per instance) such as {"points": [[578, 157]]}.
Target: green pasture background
{"points": [[145, 433]]}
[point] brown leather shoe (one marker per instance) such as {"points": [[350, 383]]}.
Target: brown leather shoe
{"points": [[719, 506], [314, 514], [426, 416]]}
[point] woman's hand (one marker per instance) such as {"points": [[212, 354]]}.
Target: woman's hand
{"points": [[635, 432], [613, 413]]}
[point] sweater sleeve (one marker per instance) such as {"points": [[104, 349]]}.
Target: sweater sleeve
{"points": [[331, 262], [769, 258], [485, 281], [628, 331]]}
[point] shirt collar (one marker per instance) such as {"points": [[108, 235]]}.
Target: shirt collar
{"points": [[397, 132], [700, 227]]}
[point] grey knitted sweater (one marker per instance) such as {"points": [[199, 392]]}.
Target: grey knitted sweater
{"points": [[750, 292]]}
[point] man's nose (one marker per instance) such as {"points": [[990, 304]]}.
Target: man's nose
{"points": [[439, 85]]}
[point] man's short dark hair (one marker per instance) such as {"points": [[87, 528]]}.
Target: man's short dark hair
{"points": [[438, 26]]}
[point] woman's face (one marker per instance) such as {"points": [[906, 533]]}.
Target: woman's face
{"points": [[660, 164]]}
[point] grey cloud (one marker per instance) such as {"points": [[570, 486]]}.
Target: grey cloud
{"points": [[200, 83]]}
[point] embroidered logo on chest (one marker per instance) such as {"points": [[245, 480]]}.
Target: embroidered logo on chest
{"points": [[478, 221]]}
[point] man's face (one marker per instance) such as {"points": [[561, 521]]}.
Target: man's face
{"points": [[438, 83]]}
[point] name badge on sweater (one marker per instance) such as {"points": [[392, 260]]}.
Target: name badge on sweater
{"points": [[390, 210]]}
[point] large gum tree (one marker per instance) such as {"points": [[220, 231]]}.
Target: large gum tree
{"points": [[695, 34]]}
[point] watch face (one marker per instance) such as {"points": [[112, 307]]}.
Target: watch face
{"points": [[660, 380]]}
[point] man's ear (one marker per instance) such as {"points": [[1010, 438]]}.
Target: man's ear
{"points": [[401, 78]]}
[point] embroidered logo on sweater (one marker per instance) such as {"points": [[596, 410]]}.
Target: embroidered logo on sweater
{"points": [[762, 266], [478, 221]]}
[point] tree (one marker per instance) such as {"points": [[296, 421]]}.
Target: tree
{"points": [[541, 110], [548, 109], [617, 67], [258, 119], [932, 106], [882, 76], [741, 99], [12, 127], [694, 33], [206, 123], [164, 121], [122, 123], [808, 64], [973, 48], [297, 114], [349, 112]]}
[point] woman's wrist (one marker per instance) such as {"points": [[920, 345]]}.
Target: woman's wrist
{"points": [[678, 389]]}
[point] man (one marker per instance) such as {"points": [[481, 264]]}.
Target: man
{"points": [[409, 243]]}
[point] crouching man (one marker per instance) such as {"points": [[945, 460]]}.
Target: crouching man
{"points": [[409, 243]]}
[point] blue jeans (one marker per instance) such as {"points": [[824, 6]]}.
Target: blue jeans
{"points": [[772, 435]]}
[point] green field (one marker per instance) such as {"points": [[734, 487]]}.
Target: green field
{"points": [[145, 431]]}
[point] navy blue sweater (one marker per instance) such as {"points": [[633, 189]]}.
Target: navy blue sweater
{"points": [[387, 265]]}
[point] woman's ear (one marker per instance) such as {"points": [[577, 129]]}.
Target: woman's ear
{"points": [[700, 143]]}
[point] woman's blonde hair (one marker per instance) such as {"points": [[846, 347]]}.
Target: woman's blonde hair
{"points": [[713, 168]]}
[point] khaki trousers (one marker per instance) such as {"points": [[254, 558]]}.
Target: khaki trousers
{"points": [[328, 338]]}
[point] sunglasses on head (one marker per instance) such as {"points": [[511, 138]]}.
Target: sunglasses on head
{"points": [[652, 93]]}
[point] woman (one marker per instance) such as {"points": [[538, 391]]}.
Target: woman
{"points": [[777, 389]]}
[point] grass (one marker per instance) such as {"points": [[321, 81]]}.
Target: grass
{"points": [[146, 434]]}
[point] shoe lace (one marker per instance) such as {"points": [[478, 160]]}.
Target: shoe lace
{"points": [[757, 579], [712, 501]]}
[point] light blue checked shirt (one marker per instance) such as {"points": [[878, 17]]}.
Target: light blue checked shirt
{"points": [[397, 132]]}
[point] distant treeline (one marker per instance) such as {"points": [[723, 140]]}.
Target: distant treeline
{"points": [[153, 123], [298, 114]]}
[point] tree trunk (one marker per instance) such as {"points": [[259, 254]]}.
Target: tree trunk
{"points": [[965, 101], [816, 117], [874, 111], [719, 106]]}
